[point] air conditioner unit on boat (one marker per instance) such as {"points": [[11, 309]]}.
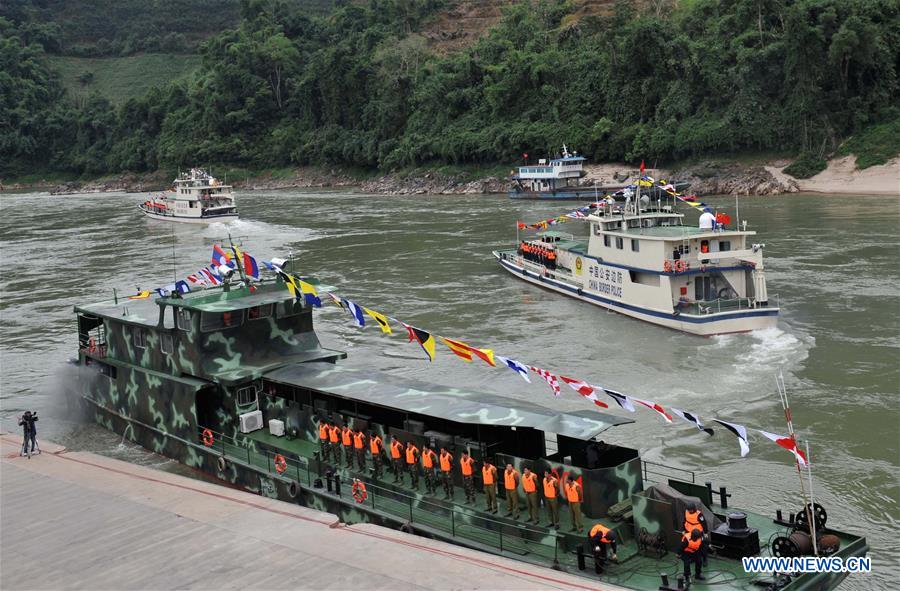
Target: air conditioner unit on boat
{"points": [[251, 421], [276, 427]]}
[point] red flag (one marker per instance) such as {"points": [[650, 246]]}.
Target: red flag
{"points": [[642, 167], [788, 444], [521, 225], [656, 407], [723, 218], [585, 390]]}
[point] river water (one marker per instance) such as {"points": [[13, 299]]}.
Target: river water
{"points": [[834, 263]]}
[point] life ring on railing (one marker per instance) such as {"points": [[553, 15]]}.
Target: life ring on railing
{"points": [[667, 266], [280, 463], [207, 437], [359, 490], [680, 266]]}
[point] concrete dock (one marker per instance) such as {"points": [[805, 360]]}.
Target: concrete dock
{"points": [[76, 520]]}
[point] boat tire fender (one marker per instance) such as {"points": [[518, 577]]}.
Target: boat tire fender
{"points": [[580, 291], [293, 490], [222, 463], [407, 528], [723, 292]]}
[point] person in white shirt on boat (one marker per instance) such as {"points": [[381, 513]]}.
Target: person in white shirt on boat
{"points": [[707, 219]]}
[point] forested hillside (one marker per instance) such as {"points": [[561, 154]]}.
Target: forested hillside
{"points": [[360, 86]]}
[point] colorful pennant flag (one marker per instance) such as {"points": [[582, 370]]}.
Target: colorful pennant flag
{"points": [[310, 296], [585, 390], [182, 286], [548, 377], [356, 312], [789, 444], [425, 340], [220, 257], [692, 419], [251, 269], [140, 296], [623, 400], [654, 406], [211, 277], [337, 300], [197, 278], [740, 432], [467, 351], [464, 354], [381, 319], [514, 365]]}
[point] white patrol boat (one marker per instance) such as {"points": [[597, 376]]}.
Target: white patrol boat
{"points": [[648, 264], [197, 197]]}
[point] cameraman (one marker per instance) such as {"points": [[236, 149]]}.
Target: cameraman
{"points": [[29, 430]]}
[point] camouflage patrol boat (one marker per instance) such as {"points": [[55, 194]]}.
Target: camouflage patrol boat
{"points": [[233, 381]]}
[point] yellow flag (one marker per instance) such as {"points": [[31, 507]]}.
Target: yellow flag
{"points": [[381, 319]]}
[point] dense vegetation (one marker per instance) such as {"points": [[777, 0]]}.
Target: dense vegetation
{"points": [[359, 87]]}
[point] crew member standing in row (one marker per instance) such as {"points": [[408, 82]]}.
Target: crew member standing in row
{"points": [[511, 484], [529, 485], [375, 448], [573, 496], [412, 464], [551, 490], [447, 473], [397, 458], [347, 443], [429, 458], [489, 477], [324, 447], [466, 464], [359, 446], [334, 438]]}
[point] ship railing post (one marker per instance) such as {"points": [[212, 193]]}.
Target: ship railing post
{"points": [[501, 538], [453, 521], [555, 551], [374, 493], [248, 455]]}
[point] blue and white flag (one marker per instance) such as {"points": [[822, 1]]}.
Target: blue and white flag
{"points": [[356, 312], [166, 290], [182, 287], [514, 365]]}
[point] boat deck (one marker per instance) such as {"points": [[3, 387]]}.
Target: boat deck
{"points": [[476, 528]]}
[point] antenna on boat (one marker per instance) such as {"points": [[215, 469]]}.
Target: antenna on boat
{"points": [[174, 267], [808, 507], [237, 263]]}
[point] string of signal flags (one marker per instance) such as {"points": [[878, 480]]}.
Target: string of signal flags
{"points": [[303, 291]]}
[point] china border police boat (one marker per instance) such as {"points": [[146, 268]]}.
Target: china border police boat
{"points": [[197, 198], [234, 382], [645, 262]]}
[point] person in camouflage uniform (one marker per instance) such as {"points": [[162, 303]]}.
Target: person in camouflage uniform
{"points": [[334, 438], [324, 446], [359, 447], [489, 478], [412, 464], [529, 485], [347, 444], [397, 458], [446, 460], [429, 461], [466, 466], [375, 448]]}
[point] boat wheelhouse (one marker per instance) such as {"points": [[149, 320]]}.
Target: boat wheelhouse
{"points": [[197, 197], [234, 382], [553, 178], [648, 264]]}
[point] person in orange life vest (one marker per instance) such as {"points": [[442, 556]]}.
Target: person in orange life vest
{"points": [[466, 466], [446, 460], [530, 485], [511, 485], [551, 259], [324, 447], [359, 446], [489, 478], [412, 464], [551, 493], [347, 444], [397, 458], [429, 462], [375, 448], [574, 497], [690, 552], [694, 519], [334, 438], [601, 538]]}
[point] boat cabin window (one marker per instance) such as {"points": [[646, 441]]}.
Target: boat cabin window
{"points": [[635, 245], [724, 245], [139, 337], [247, 395], [606, 240], [183, 319], [288, 308], [210, 321], [620, 242], [257, 312], [166, 344]]}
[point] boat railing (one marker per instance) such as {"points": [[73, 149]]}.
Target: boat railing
{"points": [[461, 523], [718, 305], [654, 471]]}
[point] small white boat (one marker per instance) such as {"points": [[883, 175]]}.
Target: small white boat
{"points": [[648, 264], [197, 198]]}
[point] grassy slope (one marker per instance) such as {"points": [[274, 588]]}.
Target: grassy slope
{"points": [[122, 78]]}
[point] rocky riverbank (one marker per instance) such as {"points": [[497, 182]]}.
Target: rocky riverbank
{"points": [[706, 178]]}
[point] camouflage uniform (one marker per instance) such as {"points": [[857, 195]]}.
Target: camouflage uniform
{"points": [[412, 464], [490, 490], [375, 448], [347, 443], [359, 445], [429, 470], [334, 439], [468, 480], [447, 475], [397, 459], [324, 446]]}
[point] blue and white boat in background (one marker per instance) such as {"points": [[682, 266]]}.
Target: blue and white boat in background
{"points": [[643, 261]]}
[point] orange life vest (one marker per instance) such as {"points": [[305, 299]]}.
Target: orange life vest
{"points": [[446, 459], [375, 445], [358, 441], [323, 431], [692, 521], [395, 449], [600, 530], [428, 458], [550, 487], [347, 437], [509, 479], [572, 493], [466, 465], [529, 482], [411, 451], [487, 473], [692, 545], [333, 434]]}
